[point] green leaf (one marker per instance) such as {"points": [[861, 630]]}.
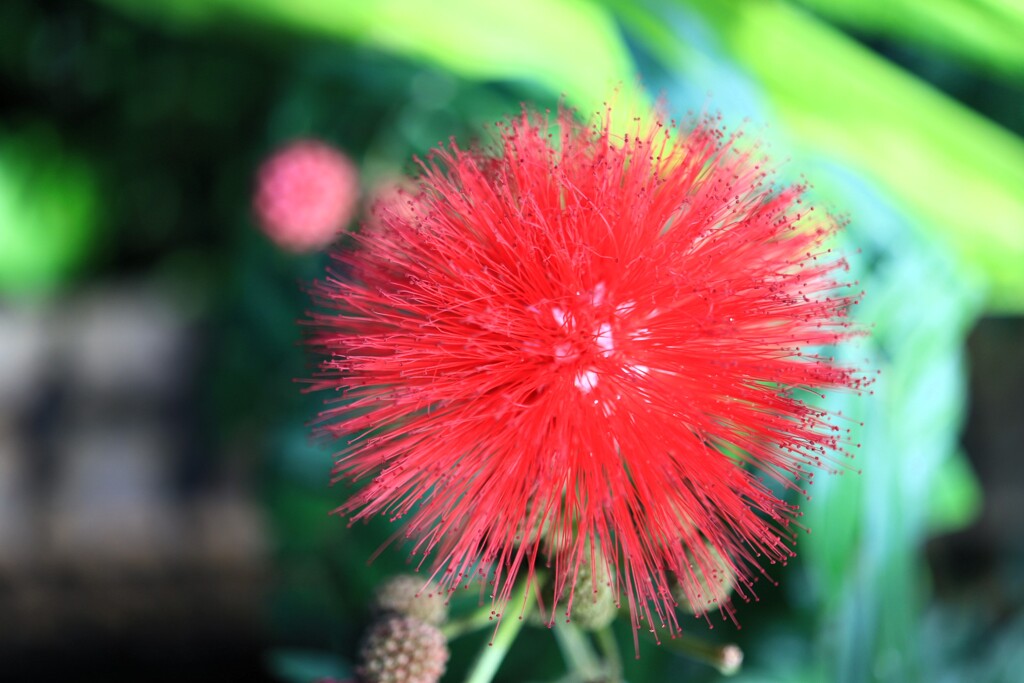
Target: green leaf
{"points": [[567, 46], [49, 211], [987, 32], [869, 526], [956, 171], [955, 499]]}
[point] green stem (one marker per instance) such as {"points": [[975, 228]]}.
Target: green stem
{"points": [[577, 651], [472, 622], [610, 649], [493, 653]]}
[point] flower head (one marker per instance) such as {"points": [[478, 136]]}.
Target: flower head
{"points": [[305, 194], [591, 351]]}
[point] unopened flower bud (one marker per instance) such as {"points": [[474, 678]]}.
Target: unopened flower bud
{"points": [[593, 601], [402, 650], [305, 194], [410, 596], [708, 583], [731, 660]]}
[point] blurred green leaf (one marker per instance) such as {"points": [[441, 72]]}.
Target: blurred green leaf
{"points": [[955, 497], [568, 46], [870, 526], [987, 32], [958, 172], [49, 206]]}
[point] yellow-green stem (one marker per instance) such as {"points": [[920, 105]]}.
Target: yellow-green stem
{"points": [[493, 653]]}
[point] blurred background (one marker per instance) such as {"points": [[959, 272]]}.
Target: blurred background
{"points": [[163, 512]]}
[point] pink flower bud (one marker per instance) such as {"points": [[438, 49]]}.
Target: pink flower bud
{"points": [[305, 195]]}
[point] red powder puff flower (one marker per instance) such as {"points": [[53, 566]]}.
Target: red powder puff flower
{"points": [[581, 349], [305, 194]]}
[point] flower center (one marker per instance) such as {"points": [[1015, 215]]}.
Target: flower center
{"points": [[589, 329]]}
